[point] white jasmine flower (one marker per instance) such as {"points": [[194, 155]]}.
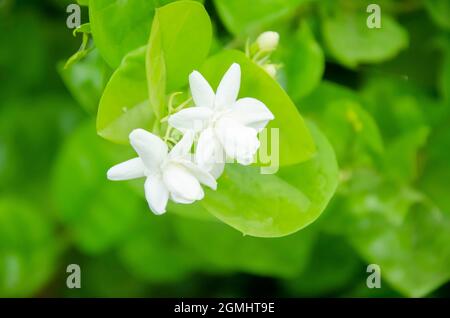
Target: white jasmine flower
{"points": [[226, 124], [268, 41], [169, 174]]}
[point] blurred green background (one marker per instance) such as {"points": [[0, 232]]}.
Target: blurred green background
{"points": [[383, 101]]}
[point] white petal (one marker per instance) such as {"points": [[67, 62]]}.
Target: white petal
{"points": [[182, 183], [201, 91], [183, 147], [201, 174], [179, 199], [209, 154], [228, 89], [150, 148], [240, 142], [192, 118], [268, 41], [217, 169], [156, 194], [209, 150], [130, 169], [251, 112]]}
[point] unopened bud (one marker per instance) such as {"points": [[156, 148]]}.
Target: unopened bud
{"points": [[268, 41], [271, 69]]}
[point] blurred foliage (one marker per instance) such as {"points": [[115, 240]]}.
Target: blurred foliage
{"points": [[377, 104]]}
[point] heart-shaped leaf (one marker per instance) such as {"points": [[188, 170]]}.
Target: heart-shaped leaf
{"points": [[124, 105], [270, 205], [175, 49]]}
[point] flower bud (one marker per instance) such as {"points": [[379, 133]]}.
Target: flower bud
{"points": [[268, 41], [271, 69]]}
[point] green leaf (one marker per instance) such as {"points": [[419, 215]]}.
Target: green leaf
{"points": [[221, 248], [391, 200], [124, 105], [295, 142], [153, 253], [194, 210], [316, 102], [413, 256], [423, 46], [120, 26], [398, 106], [244, 17], [316, 178], [104, 276], [351, 42], [28, 248], [16, 76], [350, 129], [175, 49], [268, 206], [97, 212], [304, 63], [86, 80], [332, 266], [257, 204], [402, 155], [439, 12], [33, 132], [156, 71], [444, 79], [435, 171]]}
